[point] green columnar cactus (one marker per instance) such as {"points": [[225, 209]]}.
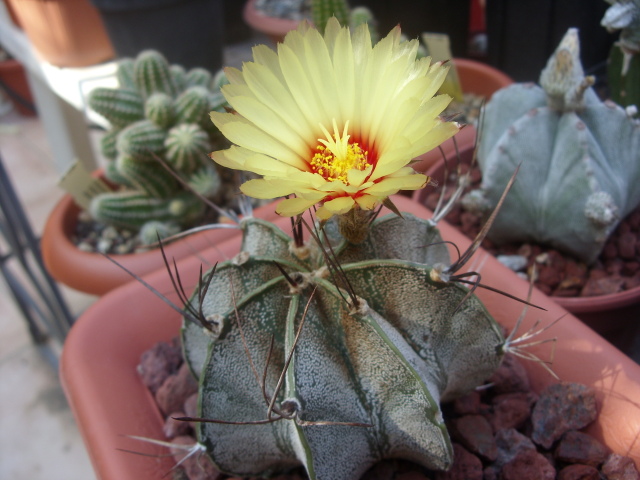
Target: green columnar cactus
{"points": [[382, 344], [580, 158], [323, 10], [624, 62], [160, 110]]}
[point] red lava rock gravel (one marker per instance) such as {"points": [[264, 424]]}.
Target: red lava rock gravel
{"points": [[503, 431]]}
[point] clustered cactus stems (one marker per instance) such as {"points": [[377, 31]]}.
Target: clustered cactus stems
{"points": [[159, 111], [323, 10], [356, 359], [624, 62], [579, 156]]}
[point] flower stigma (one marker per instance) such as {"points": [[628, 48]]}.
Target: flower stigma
{"points": [[335, 155]]}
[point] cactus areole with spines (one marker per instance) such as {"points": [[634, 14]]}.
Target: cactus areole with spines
{"points": [[579, 156], [368, 372]]}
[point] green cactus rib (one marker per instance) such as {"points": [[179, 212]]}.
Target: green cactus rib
{"points": [[132, 209], [148, 177], [125, 75], [160, 110], [108, 143], [624, 84], [120, 107], [152, 74], [323, 10], [192, 105], [143, 139], [386, 364], [198, 77], [187, 146]]}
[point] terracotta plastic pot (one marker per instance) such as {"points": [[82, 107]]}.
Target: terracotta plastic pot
{"points": [[95, 274], [604, 313], [109, 401], [477, 78], [272, 27], [66, 33]]}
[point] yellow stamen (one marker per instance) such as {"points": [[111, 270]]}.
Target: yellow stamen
{"points": [[335, 156]]}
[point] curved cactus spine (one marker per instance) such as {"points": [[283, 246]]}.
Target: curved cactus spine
{"points": [[187, 147], [323, 10], [160, 110], [142, 139], [132, 209], [120, 107], [572, 147], [192, 106], [148, 177], [365, 380], [152, 74]]}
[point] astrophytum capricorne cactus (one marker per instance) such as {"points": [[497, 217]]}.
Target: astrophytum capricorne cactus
{"points": [[383, 339], [579, 157]]}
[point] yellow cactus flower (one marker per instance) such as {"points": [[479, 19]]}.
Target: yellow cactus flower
{"points": [[332, 120]]}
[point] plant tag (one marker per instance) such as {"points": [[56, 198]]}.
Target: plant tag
{"points": [[81, 185], [439, 48]]}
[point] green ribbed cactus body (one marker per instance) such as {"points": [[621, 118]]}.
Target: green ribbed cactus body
{"points": [[323, 10], [159, 108], [132, 209], [624, 77], [198, 77], [142, 139], [124, 74], [187, 147], [152, 74], [192, 105], [120, 107], [147, 176], [387, 363], [580, 160]]}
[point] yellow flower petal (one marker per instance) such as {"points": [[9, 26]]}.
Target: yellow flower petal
{"points": [[339, 205], [333, 119], [368, 202], [391, 185], [293, 206]]}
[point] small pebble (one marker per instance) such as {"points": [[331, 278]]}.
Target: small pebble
{"points": [[517, 263]]}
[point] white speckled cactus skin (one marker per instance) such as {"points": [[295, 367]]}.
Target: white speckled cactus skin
{"points": [[580, 157], [389, 363]]}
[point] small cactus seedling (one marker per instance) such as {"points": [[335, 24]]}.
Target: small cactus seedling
{"points": [[161, 112], [580, 158]]}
